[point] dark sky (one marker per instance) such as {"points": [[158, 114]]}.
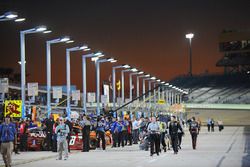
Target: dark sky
{"points": [[147, 34]]}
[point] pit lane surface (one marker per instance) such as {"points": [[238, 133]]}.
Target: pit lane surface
{"points": [[229, 148]]}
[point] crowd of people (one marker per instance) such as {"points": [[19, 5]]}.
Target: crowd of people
{"points": [[156, 134]]}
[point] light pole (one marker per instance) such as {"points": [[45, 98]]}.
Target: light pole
{"points": [[7, 16], [131, 82], [114, 80], [143, 86], [122, 78], [166, 91], [78, 48], [152, 79], [157, 82], [48, 64], [23, 72], [97, 64], [84, 79], [190, 36], [138, 84]]}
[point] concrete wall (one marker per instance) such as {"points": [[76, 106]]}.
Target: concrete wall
{"points": [[229, 117]]}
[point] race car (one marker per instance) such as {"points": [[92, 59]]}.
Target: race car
{"points": [[37, 139], [76, 142]]}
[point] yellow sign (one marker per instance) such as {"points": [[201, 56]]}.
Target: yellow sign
{"points": [[56, 116], [118, 85], [13, 108], [161, 101]]}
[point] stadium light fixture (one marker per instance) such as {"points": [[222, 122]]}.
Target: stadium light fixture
{"points": [[19, 62], [140, 72], [20, 20], [189, 35], [47, 31], [126, 66], [70, 41], [10, 15], [134, 70], [153, 78], [40, 28]]}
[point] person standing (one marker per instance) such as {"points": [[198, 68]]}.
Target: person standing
{"points": [[114, 131], [62, 131], [163, 128], [23, 136], [54, 141], [129, 132], [194, 129], [199, 124], [180, 135], [135, 132], [125, 130], [174, 126], [16, 146], [69, 123], [7, 137], [220, 125], [49, 131], [154, 131], [85, 124], [208, 124], [100, 132], [120, 126], [212, 125]]}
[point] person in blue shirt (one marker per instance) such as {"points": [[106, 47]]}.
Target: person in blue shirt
{"points": [[121, 132], [7, 137], [100, 132], [114, 131]]}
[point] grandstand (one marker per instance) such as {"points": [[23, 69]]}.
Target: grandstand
{"points": [[222, 96], [231, 88], [216, 88]]}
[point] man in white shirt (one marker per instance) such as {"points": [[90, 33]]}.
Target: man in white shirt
{"points": [[154, 131], [135, 132]]}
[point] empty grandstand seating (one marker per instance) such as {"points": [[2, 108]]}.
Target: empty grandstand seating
{"points": [[227, 89]]}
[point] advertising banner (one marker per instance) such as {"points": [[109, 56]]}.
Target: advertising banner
{"points": [[4, 85], [106, 91], [91, 97], [76, 95], [13, 108], [104, 99], [57, 92], [33, 89]]}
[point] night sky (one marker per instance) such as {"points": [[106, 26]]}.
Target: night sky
{"points": [[147, 34]]}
